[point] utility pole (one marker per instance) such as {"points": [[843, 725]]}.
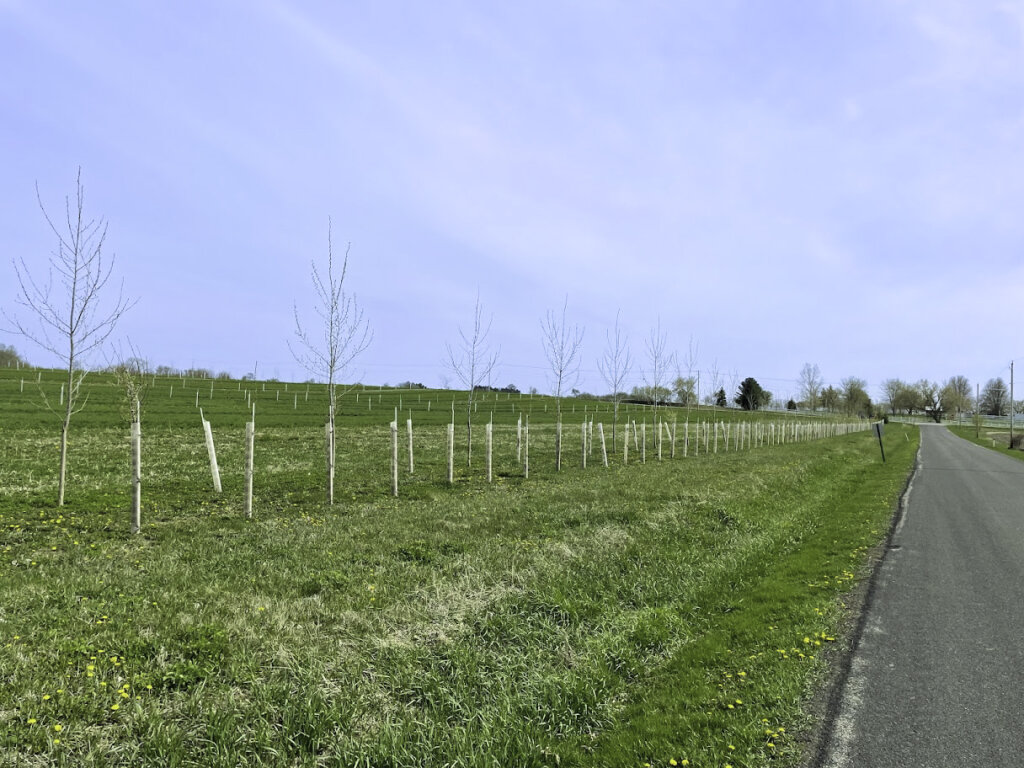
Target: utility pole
{"points": [[977, 411], [1011, 404]]}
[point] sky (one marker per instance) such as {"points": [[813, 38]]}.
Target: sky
{"points": [[771, 184]]}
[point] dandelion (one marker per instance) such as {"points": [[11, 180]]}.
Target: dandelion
{"points": [[32, 721], [115, 707], [58, 727], [46, 697]]}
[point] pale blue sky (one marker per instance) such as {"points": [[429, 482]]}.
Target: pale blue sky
{"points": [[840, 183]]}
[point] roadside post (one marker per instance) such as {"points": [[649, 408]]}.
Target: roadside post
{"points": [[879, 428]]}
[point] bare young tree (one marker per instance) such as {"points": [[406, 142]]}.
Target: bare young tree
{"points": [[562, 344], [714, 384], [472, 362], [345, 334], [614, 366], [131, 372], [73, 320], [810, 385], [688, 387], [659, 362]]}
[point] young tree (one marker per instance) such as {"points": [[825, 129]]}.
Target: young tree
{"points": [[714, 385], [345, 334], [131, 372], [72, 321], [687, 388], [656, 374], [810, 385], [562, 344], [615, 365], [472, 363], [719, 398]]}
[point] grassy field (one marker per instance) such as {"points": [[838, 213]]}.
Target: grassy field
{"points": [[673, 612], [996, 439]]}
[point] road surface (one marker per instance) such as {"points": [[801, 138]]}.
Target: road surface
{"points": [[937, 678]]}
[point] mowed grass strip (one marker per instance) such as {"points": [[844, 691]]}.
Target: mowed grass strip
{"points": [[670, 611], [994, 439]]}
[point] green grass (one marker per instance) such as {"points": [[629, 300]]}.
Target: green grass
{"points": [[644, 613], [995, 439]]}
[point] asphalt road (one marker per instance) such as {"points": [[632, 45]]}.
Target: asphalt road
{"points": [[937, 678]]}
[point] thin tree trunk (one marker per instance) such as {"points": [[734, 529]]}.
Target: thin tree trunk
{"points": [[136, 477]]}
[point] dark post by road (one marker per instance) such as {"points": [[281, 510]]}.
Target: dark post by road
{"points": [[879, 428]]}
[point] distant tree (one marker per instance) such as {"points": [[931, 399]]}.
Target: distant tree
{"points": [[72, 324], [649, 395], [995, 398], [223, 376], [956, 395], [166, 370], [9, 357], [614, 365], [750, 396], [810, 385], [854, 397], [791, 405], [562, 344], [830, 398], [908, 399], [472, 362], [719, 398], [892, 390], [930, 394], [345, 334], [685, 390]]}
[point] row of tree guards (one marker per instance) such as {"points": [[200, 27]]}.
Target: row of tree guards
{"points": [[707, 436], [739, 436]]}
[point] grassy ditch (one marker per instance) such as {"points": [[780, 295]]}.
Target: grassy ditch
{"points": [[670, 611]]}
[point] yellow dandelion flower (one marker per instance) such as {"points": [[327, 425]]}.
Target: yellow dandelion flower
{"points": [[58, 727], [32, 721]]}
